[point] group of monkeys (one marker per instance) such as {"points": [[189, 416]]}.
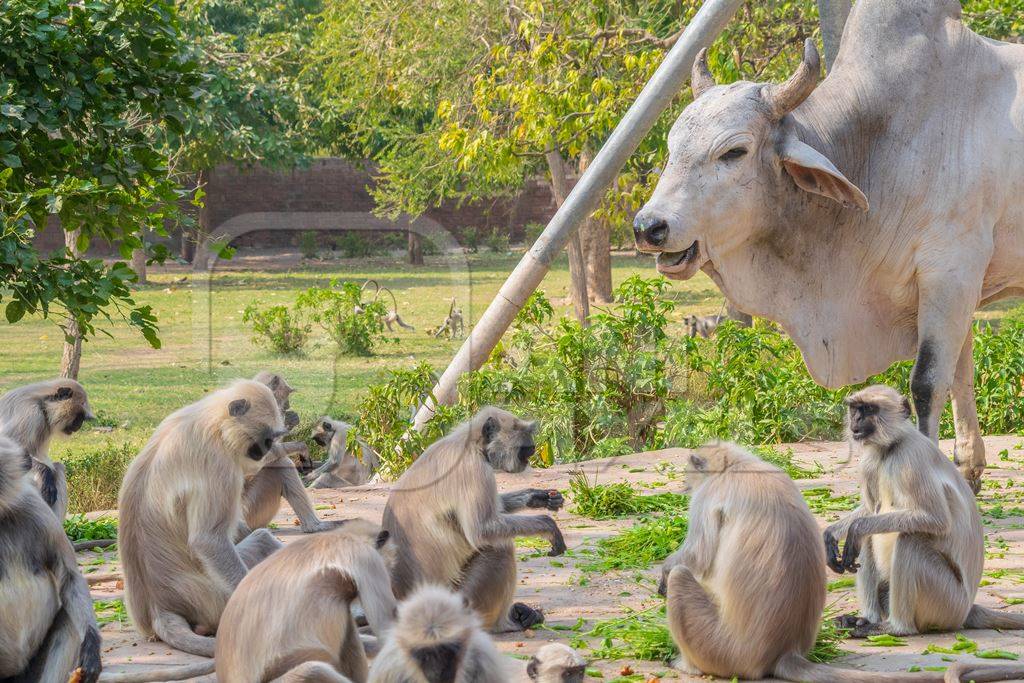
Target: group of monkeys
{"points": [[745, 591]]}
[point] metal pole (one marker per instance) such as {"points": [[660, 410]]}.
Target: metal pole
{"points": [[656, 96], [833, 14]]}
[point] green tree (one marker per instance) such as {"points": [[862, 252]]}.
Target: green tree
{"points": [[82, 88], [255, 104]]}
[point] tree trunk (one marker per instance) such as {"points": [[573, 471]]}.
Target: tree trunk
{"points": [[71, 359], [190, 238], [139, 265], [577, 261], [596, 235], [415, 249], [833, 15]]}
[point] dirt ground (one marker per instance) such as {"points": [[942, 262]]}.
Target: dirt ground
{"points": [[553, 583]]}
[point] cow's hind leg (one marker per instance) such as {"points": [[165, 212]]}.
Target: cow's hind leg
{"points": [[969, 452]]}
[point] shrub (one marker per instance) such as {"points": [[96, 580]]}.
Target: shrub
{"points": [[497, 242], [79, 528], [354, 325], [532, 232], [610, 501], [275, 328], [386, 412], [94, 477], [353, 245], [307, 244], [471, 238]]}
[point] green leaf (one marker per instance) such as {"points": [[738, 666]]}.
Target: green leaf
{"points": [[15, 311]]}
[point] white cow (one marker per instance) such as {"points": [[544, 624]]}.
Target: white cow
{"points": [[869, 215]]}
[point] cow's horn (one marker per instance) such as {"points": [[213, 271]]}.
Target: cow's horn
{"points": [[785, 97], [701, 78]]}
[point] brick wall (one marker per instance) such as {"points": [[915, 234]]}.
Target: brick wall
{"points": [[331, 184]]}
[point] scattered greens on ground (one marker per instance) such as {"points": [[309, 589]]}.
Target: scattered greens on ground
{"points": [[650, 541], [110, 611], [78, 528], [609, 501]]}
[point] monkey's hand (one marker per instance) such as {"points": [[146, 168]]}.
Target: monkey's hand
{"points": [[851, 549], [557, 542], [832, 558], [89, 665], [47, 483], [550, 500], [321, 525]]}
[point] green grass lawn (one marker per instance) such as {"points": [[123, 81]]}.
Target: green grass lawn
{"points": [[132, 386]]}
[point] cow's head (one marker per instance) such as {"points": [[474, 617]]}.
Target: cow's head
{"points": [[730, 151]]}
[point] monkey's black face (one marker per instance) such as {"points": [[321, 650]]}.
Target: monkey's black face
{"points": [[291, 419], [323, 434], [76, 423], [262, 445], [509, 447], [862, 418], [439, 663], [574, 674]]}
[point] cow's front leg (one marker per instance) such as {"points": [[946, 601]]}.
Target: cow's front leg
{"points": [[969, 451], [945, 308]]}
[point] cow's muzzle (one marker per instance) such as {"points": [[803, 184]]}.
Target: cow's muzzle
{"points": [[650, 232]]}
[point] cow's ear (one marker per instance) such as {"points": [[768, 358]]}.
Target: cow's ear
{"points": [[812, 171]]}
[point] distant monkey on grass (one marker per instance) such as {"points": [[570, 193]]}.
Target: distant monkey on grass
{"points": [[450, 527], [915, 542], [391, 317], [453, 325], [31, 416], [746, 589], [180, 506]]}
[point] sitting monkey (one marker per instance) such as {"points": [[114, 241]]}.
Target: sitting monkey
{"points": [[747, 587], [449, 526], [180, 505], [294, 608], [31, 416], [915, 542], [342, 468]]}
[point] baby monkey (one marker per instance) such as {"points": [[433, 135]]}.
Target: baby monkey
{"points": [[916, 541]]}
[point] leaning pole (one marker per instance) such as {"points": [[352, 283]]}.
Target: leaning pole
{"points": [[585, 197]]}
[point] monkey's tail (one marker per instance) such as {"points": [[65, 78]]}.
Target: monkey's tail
{"points": [[979, 673], [176, 632], [174, 673], [795, 667], [983, 617]]}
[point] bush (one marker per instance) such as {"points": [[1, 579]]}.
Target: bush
{"points": [[497, 242], [274, 328], [532, 232], [353, 245], [307, 244], [94, 478], [78, 528], [355, 326]]}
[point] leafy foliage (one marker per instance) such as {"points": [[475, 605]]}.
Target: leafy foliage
{"points": [[355, 326], [647, 542], [94, 477], [610, 501], [83, 86], [79, 528], [275, 328]]}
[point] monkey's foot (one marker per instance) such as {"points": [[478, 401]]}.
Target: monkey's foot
{"points": [[973, 476], [321, 525], [524, 616], [682, 664], [851, 622]]}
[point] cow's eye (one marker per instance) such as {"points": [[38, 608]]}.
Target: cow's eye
{"points": [[734, 153]]}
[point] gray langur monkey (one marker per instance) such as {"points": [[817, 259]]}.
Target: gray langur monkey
{"points": [[180, 505], [278, 478], [294, 609], [453, 324], [556, 663], [391, 317], [916, 541], [702, 325], [342, 467], [746, 589], [438, 639], [31, 416], [48, 629], [449, 526]]}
